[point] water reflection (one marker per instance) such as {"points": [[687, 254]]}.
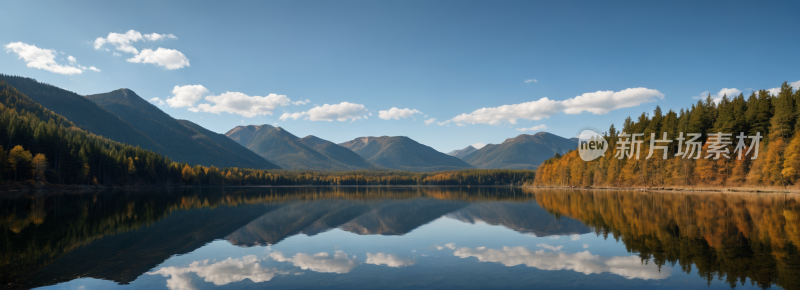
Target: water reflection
{"points": [[582, 262], [219, 273], [322, 262], [369, 236]]}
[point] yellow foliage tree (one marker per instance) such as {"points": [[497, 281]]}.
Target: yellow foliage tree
{"points": [[19, 159], [40, 166]]}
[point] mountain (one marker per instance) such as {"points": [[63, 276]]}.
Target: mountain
{"points": [[463, 152], [403, 153], [291, 152], [82, 112], [524, 217], [522, 152], [182, 140], [336, 152]]}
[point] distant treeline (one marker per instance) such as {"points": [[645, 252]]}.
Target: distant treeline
{"points": [[774, 117], [40, 145]]}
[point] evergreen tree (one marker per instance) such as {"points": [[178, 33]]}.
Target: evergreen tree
{"points": [[785, 113]]}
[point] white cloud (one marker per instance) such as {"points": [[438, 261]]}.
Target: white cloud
{"points": [[390, 260], [239, 103], [320, 262], [430, 121], [630, 267], [585, 246], [528, 81], [293, 116], [478, 145], [156, 36], [702, 96], [533, 129], [116, 54], [92, 68], [575, 237], [121, 41], [599, 103], [301, 102], [451, 246], [341, 112], [397, 114], [775, 91], [731, 93], [72, 59], [220, 273], [168, 58], [186, 96], [157, 101], [41, 58]]}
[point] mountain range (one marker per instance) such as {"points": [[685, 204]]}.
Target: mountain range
{"points": [[124, 116], [403, 153], [521, 152], [292, 152]]}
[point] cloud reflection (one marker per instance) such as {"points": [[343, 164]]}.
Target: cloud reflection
{"points": [[220, 273], [390, 260], [630, 267], [320, 262]]}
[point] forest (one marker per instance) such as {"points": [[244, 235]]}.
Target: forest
{"points": [[38, 146], [775, 117]]}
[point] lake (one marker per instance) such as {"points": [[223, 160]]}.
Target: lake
{"points": [[398, 238]]}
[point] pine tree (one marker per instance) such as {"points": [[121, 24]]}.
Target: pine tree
{"points": [[785, 113]]}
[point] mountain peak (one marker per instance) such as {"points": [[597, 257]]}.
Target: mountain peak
{"points": [[463, 152], [287, 150], [401, 152], [522, 152]]}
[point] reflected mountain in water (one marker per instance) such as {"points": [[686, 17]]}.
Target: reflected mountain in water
{"points": [[396, 217], [523, 217], [124, 257]]}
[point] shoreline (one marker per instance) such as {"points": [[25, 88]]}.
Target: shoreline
{"points": [[706, 189], [18, 188]]}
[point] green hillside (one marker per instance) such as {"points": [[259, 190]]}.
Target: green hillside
{"points": [[183, 141], [84, 113]]}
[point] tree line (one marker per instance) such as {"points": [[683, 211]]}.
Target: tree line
{"points": [[37, 144], [775, 117]]}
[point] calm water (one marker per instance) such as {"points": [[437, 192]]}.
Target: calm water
{"points": [[403, 237]]}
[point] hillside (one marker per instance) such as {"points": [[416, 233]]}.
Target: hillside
{"points": [[463, 152], [66, 154], [84, 113], [182, 141], [403, 153], [291, 152], [522, 152], [336, 152]]}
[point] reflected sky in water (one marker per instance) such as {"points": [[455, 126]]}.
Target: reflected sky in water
{"points": [[444, 238]]}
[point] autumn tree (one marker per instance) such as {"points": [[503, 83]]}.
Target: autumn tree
{"points": [[40, 166], [19, 159]]}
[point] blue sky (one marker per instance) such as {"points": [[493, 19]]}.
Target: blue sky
{"points": [[440, 58]]}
